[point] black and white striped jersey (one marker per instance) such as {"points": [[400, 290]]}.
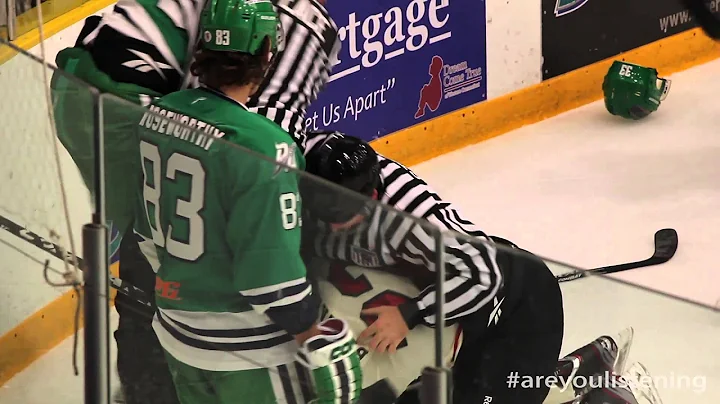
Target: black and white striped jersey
{"points": [[302, 69], [386, 238], [148, 43]]}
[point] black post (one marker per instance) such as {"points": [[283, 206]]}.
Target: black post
{"points": [[96, 312], [435, 387], [96, 290], [439, 297], [11, 19]]}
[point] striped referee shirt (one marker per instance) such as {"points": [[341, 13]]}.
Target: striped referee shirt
{"points": [[302, 69], [132, 45], [388, 238], [148, 43]]}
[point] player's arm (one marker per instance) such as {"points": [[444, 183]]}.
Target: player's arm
{"points": [[264, 232], [472, 279], [270, 274]]}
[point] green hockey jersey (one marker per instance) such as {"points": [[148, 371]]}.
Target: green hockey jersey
{"points": [[136, 51], [220, 224]]}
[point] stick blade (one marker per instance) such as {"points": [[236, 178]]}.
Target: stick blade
{"points": [[666, 244]]}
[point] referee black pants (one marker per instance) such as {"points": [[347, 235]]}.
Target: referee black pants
{"points": [[141, 364], [505, 346]]}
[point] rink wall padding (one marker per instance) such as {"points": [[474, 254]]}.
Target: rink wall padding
{"points": [[466, 126], [41, 332], [535, 103], [36, 335], [577, 33]]}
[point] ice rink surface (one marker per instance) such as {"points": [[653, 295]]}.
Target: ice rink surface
{"points": [[588, 189]]}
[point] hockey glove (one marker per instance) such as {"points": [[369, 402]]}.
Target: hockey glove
{"points": [[333, 360]]}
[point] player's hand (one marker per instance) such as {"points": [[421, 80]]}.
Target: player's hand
{"points": [[332, 358], [385, 333]]}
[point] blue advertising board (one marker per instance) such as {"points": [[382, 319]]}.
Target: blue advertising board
{"points": [[402, 62]]}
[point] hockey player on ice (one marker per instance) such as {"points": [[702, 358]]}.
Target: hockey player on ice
{"points": [[520, 331], [141, 50], [348, 288], [137, 51], [242, 321], [508, 305]]}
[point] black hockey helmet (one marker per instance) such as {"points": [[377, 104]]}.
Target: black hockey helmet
{"points": [[344, 160]]}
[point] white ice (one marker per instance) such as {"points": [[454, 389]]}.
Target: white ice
{"points": [[588, 189]]}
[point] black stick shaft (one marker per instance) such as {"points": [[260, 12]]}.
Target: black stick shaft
{"points": [[603, 270], [666, 243], [97, 315], [140, 296], [56, 251]]}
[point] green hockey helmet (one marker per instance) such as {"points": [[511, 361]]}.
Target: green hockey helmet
{"points": [[633, 91], [240, 26]]}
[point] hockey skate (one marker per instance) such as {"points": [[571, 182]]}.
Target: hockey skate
{"points": [[623, 341], [606, 355], [641, 384], [635, 386]]}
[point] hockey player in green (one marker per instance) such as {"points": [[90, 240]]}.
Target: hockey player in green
{"points": [[137, 51], [140, 50], [221, 228]]}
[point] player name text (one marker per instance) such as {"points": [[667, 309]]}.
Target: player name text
{"points": [[181, 126]]}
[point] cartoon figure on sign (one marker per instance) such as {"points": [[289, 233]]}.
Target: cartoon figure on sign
{"points": [[432, 92]]}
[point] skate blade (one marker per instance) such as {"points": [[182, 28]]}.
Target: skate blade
{"points": [[644, 384], [623, 340]]}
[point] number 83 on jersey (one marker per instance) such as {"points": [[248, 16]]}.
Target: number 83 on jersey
{"points": [[188, 243]]}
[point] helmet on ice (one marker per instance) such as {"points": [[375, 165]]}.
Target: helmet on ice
{"points": [[633, 91]]}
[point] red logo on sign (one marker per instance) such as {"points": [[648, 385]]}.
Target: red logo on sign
{"points": [[432, 92]]}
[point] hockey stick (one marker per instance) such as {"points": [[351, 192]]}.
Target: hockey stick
{"points": [[56, 251], [666, 243], [379, 393]]}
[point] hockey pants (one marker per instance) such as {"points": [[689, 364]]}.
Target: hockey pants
{"points": [[524, 339], [285, 384], [141, 364]]}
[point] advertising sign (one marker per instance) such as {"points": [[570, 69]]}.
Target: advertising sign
{"points": [[402, 62]]}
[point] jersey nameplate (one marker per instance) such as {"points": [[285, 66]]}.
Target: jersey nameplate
{"points": [[181, 126], [364, 258]]}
